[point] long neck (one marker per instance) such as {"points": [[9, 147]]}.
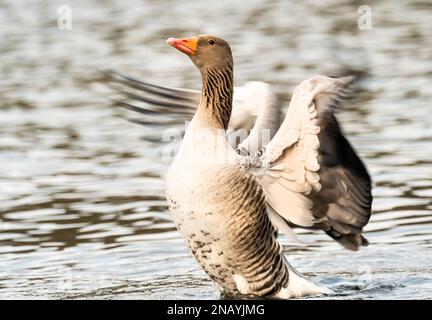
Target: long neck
{"points": [[216, 96]]}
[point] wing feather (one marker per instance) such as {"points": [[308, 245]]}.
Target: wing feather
{"points": [[313, 177], [254, 108]]}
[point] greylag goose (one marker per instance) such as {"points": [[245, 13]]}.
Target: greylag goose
{"points": [[228, 204]]}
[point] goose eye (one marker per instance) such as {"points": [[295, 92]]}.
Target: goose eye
{"points": [[211, 41]]}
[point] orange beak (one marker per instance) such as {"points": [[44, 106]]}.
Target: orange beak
{"points": [[186, 45]]}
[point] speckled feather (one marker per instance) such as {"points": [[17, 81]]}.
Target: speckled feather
{"points": [[234, 236]]}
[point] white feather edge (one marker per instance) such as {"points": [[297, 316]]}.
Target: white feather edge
{"points": [[301, 161], [280, 224]]}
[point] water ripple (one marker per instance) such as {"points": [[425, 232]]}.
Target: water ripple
{"points": [[82, 207]]}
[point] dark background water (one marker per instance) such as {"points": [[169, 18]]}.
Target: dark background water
{"points": [[82, 209]]}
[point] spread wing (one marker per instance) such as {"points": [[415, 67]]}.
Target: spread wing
{"points": [[158, 105], [254, 105], [313, 178]]}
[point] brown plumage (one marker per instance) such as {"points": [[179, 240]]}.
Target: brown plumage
{"points": [[227, 207]]}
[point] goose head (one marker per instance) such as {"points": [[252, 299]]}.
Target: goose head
{"points": [[207, 52]]}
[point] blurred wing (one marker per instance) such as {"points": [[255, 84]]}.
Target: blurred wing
{"points": [[154, 100], [314, 179], [159, 105]]}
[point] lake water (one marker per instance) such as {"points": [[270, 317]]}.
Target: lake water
{"points": [[82, 208]]}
